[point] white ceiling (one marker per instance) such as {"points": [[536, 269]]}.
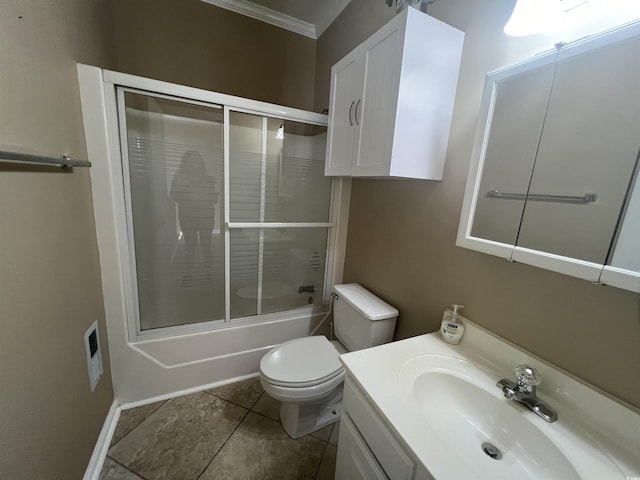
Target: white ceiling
{"points": [[305, 17]]}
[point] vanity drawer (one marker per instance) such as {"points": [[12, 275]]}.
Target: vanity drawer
{"points": [[392, 456]]}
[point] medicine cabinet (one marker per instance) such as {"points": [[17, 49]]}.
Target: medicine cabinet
{"points": [[553, 177]]}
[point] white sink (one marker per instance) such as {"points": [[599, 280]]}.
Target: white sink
{"points": [[442, 400], [451, 397]]}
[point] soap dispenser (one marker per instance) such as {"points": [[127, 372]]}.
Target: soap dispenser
{"points": [[452, 328]]}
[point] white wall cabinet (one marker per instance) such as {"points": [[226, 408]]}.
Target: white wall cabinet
{"points": [[368, 448], [392, 100]]}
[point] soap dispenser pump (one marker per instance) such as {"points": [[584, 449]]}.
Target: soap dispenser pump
{"points": [[452, 327]]}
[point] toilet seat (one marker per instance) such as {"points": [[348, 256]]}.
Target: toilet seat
{"points": [[303, 362]]}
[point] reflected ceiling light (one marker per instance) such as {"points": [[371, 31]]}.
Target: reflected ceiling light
{"points": [[530, 17]]}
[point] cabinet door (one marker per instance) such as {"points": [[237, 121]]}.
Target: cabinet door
{"points": [[375, 111], [346, 85], [354, 460]]}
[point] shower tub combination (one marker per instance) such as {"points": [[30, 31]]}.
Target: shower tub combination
{"points": [[216, 227]]}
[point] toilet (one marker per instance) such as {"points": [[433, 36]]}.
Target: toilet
{"points": [[306, 375]]}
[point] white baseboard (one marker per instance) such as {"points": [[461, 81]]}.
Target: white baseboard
{"points": [[188, 391], [102, 445]]}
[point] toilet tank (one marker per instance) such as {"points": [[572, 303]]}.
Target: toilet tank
{"points": [[360, 319]]}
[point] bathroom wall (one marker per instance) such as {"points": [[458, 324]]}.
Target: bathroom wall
{"points": [[193, 43], [50, 291], [401, 240]]}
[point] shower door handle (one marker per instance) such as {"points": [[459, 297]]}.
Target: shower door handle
{"points": [[307, 288], [350, 112], [355, 113]]}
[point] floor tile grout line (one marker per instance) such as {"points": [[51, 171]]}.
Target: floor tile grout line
{"points": [[309, 434], [137, 424], [231, 401], [266, 416], [126, 468], [326, 447], [225, 442], [258, 399], [326, 442]]}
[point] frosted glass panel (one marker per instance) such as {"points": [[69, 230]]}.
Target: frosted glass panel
{"points": [[296, 188], [174, 164], [244, 250], [175, 154], [293, 258], [285, 157], [245, 166], [276, 175]]}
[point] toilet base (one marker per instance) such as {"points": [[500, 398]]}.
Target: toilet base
{"points": [[299, 420]]}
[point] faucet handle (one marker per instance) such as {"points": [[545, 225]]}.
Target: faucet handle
{"points": [[527, 376]]}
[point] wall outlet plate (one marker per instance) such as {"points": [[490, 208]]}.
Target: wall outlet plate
{"points": [[94, 355]]}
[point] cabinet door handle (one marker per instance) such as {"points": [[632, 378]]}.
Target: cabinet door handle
{"points": [[350, 112], [356, 111]]}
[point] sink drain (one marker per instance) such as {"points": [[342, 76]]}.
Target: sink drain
{"points": [[491, 451]]}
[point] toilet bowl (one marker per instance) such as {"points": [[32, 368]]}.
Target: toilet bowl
{"points": [[306, 374]]}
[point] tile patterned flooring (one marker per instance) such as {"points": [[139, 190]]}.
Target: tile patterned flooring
{"points": [[230, 432]]}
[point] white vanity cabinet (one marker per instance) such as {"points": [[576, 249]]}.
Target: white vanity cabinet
{"points": [[368, 449], [392, 100]]}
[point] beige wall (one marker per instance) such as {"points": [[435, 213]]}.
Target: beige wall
{"points": [[50, 290], [193, 43], [401, 242]]}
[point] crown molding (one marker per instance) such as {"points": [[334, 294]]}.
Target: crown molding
{"points": [[268, 15]]}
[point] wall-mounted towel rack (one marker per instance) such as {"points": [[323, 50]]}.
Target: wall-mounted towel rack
{"points": [[586, 198], [63, 160]]}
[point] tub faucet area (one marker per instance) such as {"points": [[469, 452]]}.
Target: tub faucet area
{"points": [[524, 391]]}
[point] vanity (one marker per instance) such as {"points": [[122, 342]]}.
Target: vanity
{"points": [[423, 409]]}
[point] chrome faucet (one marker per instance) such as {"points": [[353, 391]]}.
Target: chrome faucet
{"points": [[524, 391]]}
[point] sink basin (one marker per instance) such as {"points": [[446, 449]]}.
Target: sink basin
{"points": [[451, 397]]}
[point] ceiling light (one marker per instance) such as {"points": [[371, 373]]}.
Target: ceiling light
{"points": [[530, 17]]}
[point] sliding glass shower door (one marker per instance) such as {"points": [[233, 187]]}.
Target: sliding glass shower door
{"points": [[227, 211], [279, 203], [173, 155]]}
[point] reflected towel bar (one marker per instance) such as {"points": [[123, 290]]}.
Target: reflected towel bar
{"points": [[63, 160], [586, 198]]}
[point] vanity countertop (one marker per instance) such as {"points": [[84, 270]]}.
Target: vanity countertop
{"points": [[595, 436]]}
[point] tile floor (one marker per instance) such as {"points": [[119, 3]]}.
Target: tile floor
{"points": [[231, 432]]}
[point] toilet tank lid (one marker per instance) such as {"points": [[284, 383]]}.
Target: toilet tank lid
{"points": [[365, 302]]}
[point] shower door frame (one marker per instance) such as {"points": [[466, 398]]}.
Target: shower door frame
{"points": [[338, 212]]}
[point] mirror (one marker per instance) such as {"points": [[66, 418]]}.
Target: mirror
{"points": [[515, 128], [553, 180]]}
